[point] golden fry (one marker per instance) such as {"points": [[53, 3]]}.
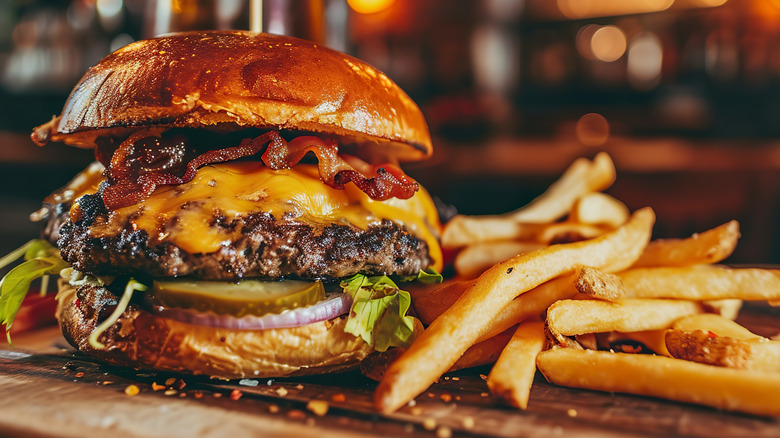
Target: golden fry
{"points": [[702, 282], [513, 373], [499, 229], [475, 259], [430, 301], [658, 376], [708, 348], [597, 284], [727, 307], [580, 178], [711, 246], [481, 353], [448, 337], [577, 317], [717, 324], [599, 209], [530, 304]]}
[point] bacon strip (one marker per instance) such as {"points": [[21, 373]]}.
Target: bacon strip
{"points": [[380, 182], [125, 191], [128, 184]]}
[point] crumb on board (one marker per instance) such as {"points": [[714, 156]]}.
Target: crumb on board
{"points": [[296, 414], [429, 424], [318, 407], [236, 394], [444, 432], [132, 390]]}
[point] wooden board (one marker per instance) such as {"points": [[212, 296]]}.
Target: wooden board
{"points": [[47, 389]]}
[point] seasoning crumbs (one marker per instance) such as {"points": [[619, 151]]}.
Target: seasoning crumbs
{"points": [[444, 432], [132, 390], [319, 407]]}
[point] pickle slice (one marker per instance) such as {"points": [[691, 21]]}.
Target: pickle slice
{"points": [[247, 297]]}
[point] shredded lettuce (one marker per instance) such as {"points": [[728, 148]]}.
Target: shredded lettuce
{"points": [[41, 259], [131, 287], [378, 313]]}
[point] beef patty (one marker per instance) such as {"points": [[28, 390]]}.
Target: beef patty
{"points": [[267, 248]]}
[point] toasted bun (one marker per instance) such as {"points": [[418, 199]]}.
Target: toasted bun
{"points": [[144, 341], [235, 79]]}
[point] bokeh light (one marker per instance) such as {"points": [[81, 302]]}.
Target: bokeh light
{"points": [[592, 129], [369, 6], [608, 43], [645, 59]]}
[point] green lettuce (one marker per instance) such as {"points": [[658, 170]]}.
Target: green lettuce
{"points": [[378, 313], [41, 259]]}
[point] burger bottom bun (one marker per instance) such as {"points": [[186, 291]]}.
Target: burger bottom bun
{"points": [[142, 340]]}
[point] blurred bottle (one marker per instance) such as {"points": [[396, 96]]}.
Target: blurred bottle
{"points": [[303, 19]]}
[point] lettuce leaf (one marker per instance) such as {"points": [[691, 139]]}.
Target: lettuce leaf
{"points": [[41, 259], [378, 313]]}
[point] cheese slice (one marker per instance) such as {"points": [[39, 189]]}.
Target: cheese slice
{"points": [[204, 214]]}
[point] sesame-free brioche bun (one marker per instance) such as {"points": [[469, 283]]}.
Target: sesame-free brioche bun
{"points": [[142, 340], [234, 79]]}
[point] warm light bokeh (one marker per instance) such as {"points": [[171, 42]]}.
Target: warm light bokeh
{"points": [[608, 43], [369, 6]]}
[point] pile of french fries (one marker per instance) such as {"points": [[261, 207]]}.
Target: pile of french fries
{"points": [[607, 309]]}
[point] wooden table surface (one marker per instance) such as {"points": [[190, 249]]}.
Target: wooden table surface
{"points": [[49, 390]]}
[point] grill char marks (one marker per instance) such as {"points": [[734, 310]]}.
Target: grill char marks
{"points": [[267, 248]]}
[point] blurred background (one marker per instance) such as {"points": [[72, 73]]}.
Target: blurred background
{"points": [[681, 93]]}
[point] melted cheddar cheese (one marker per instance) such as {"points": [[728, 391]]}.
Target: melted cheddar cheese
{"points": [[185, 214]]}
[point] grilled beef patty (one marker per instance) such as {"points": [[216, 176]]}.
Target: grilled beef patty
{"points": [[267, 248]]}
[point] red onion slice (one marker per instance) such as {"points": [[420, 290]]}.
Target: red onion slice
{"points": [[324, 310]]}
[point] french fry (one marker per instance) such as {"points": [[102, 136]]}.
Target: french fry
{"points": [[445, 340], [727, 307], [513, 373], [597, 284], [717, 324], [702, 282], [482, 353], [706, 347], [577, 317], [430, 301], [499, 229], [599, 209], [711, 246], [655, 340], [475, 259], [530, 304], [580, 178], [430, 304], [752, 392]]}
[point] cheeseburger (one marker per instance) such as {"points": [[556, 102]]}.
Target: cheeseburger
{"points": [[246, 214]]}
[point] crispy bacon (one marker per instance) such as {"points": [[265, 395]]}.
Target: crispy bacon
{"points": [[380, 182], [144, 162]]}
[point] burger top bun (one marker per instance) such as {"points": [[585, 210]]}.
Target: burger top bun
{"points": [[234, 79]]}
